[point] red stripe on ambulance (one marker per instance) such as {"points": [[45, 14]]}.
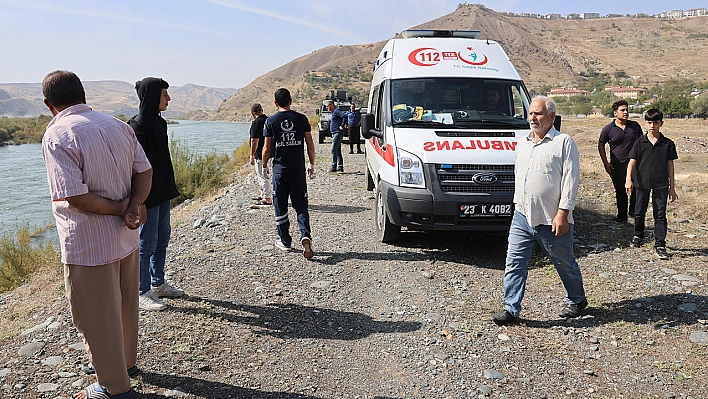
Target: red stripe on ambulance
{"points": [[497, 145]]}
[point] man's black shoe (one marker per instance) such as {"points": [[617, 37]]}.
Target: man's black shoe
{"points": [[636, 242], [620, 221], [572, 311], [341, 170], [333, 170], [503, 317]]}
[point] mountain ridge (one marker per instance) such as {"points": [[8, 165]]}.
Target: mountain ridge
{"points": [[112, 97], [545, 52]]}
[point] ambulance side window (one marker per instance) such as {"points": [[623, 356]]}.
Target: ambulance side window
{"points": [[518, 103], [375, 97], [381, 96]]}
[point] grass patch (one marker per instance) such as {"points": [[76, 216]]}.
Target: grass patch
{"points": [[20, 257], [198, 175]]}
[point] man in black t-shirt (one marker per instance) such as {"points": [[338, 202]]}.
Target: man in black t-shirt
{"points": [[257, 140], [621, 134], [285, 134]]}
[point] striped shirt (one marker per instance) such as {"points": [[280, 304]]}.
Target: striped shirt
{"points": [[547, 177], [85, 151]]}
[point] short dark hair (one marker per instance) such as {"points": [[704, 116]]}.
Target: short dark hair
{"points": [[282, 97], [256, 108], [62, 88], [654, 115], [619, 103]]}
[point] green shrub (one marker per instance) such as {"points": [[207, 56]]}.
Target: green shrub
{"points": [[196, 175], [20, 257]]}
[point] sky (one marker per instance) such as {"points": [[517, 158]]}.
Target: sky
{"points": [[222, 43]]}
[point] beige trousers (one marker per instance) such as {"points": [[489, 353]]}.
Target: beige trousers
{"points": [[104, 307]]}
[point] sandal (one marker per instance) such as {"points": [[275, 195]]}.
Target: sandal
{"points": [[90, 370], [96, 391]]}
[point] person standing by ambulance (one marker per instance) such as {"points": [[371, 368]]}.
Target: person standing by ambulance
{"points": [[336, 128]]}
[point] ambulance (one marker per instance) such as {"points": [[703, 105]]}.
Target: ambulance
{"points": [[446, 110]]}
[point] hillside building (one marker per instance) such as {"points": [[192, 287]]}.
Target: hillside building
{"points": [[563, 92], [626, 91], [589, 15], [696, 12]]}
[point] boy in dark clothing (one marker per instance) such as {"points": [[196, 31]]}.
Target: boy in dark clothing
{"points": [[151, 131], [651, 168]]}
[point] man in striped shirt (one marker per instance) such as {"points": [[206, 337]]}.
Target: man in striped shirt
{"points": [[98, 179]]}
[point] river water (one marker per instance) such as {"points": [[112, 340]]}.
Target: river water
{"points": [[24, 193]]}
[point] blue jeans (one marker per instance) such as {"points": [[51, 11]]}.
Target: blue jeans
{"points": [[337, 160], [294, 186], [522, 241], [659, 198], [154, 237]]}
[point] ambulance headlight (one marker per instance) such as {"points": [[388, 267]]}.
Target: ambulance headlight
{"points": [[410, 170]]}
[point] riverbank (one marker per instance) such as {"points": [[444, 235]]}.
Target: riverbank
{"points": [[411, 320]]}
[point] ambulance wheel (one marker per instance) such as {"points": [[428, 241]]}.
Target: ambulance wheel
{"points": [[370, 186], [322, 138], [386, 231]]}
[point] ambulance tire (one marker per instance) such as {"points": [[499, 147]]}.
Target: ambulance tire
{"points": [[322, 138], [387, 232], [370, 186]]}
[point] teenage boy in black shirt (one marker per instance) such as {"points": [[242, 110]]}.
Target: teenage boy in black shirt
{"points": [[651, 168], [285, 134]]}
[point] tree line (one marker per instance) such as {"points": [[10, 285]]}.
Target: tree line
{"points": [[23, 130]]}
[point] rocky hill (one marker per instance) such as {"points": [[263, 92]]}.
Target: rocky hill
{"points": [[110, 96], [546, 52]]}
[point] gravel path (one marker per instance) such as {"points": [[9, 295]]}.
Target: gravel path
{"points": [[369, 320]]}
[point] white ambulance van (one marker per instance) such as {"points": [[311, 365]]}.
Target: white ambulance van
{"points": [[446, 112]]}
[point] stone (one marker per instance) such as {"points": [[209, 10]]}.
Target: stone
{"points": [[4, 372], [31, 349], [46, 387], [688, 307], [79, 346], [685, 277], [485, 390], [324, 284], [503, 337], [198, 223], [175, 393], [605, 275], [66, 374], [79, 383], [38, 327], [493, 375], [54, 326], [699, 337], [52, 361]]}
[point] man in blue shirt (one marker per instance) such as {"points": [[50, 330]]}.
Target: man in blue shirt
{"points": [[285, 134], [336, 127], [354, 122]]}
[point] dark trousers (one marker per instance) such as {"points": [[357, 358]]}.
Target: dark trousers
{"points": [[294, 186], [659, 198], [354, 138], [619, 176]]}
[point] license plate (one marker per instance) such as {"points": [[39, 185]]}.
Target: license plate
{"points": [[485, 210]]}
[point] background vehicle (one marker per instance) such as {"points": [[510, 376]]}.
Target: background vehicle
{"points": [[340, 101], [446, 111]]}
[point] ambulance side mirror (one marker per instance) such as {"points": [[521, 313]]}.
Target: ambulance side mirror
{"points": [[557, 123], [367, 127], [317, 111]]}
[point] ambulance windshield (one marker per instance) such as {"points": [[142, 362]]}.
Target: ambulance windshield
{"points": [[459, 103]]}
